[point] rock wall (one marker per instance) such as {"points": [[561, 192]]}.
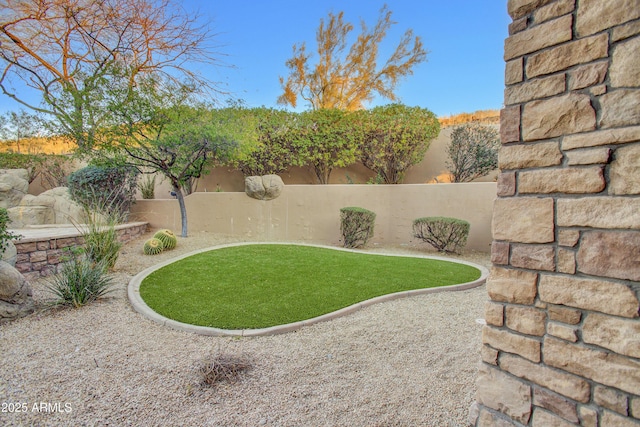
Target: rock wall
{"points": [[562, 341]]}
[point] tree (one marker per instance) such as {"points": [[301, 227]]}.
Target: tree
{"points": [[70, 51], [326, 139], [266, 143], [396, 137], [347, 81], [473, 151], [17, 126], [162, 131]]}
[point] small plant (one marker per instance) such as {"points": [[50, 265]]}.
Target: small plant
{"points": [[147, 187], [5, 236], [153, 246], [80, 281], [167, 237], [222, 367], [444, 234], [356, 225], [101, 240]]}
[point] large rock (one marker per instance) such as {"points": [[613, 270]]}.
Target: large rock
{"points": [[10, 254], [265, 187], [15, 294], [54, 206], [14, 185]]}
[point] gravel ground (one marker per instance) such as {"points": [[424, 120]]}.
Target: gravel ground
{"points": [[407, 362]]}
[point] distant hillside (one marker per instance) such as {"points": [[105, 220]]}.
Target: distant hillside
{"points": [[481, 116], [50, 145]]}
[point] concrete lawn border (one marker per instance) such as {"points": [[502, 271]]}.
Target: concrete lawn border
{"points": [[133, 292]]}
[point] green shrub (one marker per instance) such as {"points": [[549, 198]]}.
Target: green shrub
{"points": [[444, 234], [80, 281], [5, 236], [148, 187], [108, 190], [101, 242], [356, 225], [152, 246], [167, 237]]}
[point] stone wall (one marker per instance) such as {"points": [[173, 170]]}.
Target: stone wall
{"points": [[562, 341], [41, 256]]}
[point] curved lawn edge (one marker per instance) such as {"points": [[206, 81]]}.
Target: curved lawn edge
{"points": [[138, 304]]}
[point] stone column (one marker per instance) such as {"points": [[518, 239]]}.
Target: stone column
{"points": [[562, 341]]}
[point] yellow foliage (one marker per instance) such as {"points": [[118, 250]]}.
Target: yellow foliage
{"points": [[39, 145], [480, 116]]}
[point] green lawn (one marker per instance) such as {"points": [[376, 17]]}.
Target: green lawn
{"points": [[257, 286]]}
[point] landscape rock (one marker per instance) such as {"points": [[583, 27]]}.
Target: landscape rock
{"points": [[15, 294], [54, 206], [267, 187], [10, 254], [14, 185]]}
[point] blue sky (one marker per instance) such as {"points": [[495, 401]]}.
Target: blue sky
{"points": [[464, 71]]}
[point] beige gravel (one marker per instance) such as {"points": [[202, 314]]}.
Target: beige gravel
{"points": [[408, 362]]}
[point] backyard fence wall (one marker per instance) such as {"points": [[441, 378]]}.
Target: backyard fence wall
{"points": [[562, 341], [312, 212]]}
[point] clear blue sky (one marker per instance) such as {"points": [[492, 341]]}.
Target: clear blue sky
{"points": [[464, 71]]}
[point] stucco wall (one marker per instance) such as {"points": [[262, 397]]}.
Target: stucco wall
{"points": [[311, 212]]}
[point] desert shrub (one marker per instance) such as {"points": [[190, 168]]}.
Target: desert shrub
{"points": [[222, 367], [5, 236], [109, 190], [80, 281], [444, 234], [148, 187], [473, 151], [356, 225], [101, 240]]}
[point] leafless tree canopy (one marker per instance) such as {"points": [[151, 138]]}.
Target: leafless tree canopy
{"points": [[71, 51]]}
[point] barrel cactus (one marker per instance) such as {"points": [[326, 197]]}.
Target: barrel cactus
{"points": [[167, 238], [153, 246]]}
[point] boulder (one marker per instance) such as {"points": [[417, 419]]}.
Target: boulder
{"points": [[54, 206], [266, 187], [15, 294], [14, 185], [10, 254]]}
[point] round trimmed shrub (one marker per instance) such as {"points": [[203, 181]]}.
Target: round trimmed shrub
{"points": [[153, 246], [356, 225], [443, 233], [167, 237]]}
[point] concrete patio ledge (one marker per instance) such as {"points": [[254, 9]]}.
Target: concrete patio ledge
{"points": [[141, 307]]}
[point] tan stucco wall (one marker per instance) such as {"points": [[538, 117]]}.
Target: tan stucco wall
{"points": [[311, 212]]}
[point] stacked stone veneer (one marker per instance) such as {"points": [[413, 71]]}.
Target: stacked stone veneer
{"points": [[41, 257], [562, 341]]}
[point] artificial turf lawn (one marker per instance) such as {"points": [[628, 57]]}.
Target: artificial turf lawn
{"points": [[257, 286]]}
